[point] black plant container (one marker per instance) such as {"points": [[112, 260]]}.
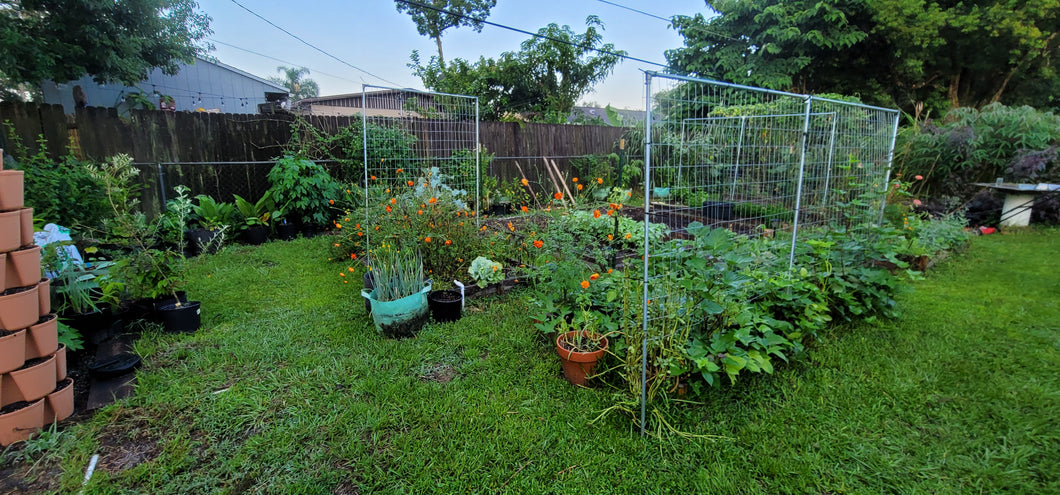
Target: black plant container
{"points": [[446, 305], [183, 318], [286, 231], [256, 234], [163, 300], [94, 326], [718, 210]]}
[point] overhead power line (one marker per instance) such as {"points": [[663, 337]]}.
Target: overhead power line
{"points": [[255, 14], [536, 35], [669, 21], [314, 71]]}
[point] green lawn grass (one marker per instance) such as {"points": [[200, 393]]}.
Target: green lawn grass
{"points": [[289, 389]]}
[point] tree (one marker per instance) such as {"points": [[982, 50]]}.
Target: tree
{"points": [[546, 77], [891, 52], [298, 87], [118, 40], [431, 22]]}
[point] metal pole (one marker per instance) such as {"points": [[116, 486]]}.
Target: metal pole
{"points": [[478, 170], [644, 283], [739, 150], [162, 188], [364, 151], [831, 155], [798, 189], [890, 162]]}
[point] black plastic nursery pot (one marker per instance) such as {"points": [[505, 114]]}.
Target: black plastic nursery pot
{"points": [[286, 231], [183, 318], [256, 234], [446, 305], [718, 210]]}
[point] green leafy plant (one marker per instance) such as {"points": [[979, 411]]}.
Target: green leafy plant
{"points": [[211, 214], [485, 271], [259, 213], [396, 273], [304, 188]]}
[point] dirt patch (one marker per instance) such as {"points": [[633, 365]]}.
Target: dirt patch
{"points": [[23, 479], [120, 452], [439, 373]]}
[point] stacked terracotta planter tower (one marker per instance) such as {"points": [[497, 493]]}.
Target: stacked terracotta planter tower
{"points": [[34, 389]]}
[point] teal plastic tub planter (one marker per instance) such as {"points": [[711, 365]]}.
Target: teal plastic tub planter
{"points": [[400, 318]]}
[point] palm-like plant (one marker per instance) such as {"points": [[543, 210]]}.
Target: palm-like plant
{"points": [[298, 87]]}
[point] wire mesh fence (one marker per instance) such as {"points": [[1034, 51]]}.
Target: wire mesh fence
{"points": [[420, 145], [753, 161]]}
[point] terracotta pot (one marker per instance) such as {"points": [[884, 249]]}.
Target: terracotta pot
{"points": [[578, 366], [26, 223], [19, 425], [60, 363], [59, 404], [42, 339], [3, 270], [19, 310], [23, 267], [12, 351], [10, 230], [44, 296], [28, 384], [11, 182]]}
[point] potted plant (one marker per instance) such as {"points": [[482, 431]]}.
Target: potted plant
{"points": [[304, 188], [580, 346], [256, 217], [486, 271], [155, 265], [399, 295], [213, 218]]}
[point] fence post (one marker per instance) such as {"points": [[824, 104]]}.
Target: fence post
{"points": [[644, 301], [798, 188]]}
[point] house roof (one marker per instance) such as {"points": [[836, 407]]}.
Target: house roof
{"points": [[279, 87]]}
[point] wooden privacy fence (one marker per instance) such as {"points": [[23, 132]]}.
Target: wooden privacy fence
{"points": [[215, 153]]}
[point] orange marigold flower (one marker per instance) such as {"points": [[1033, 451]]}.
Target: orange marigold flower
{"points": [[511, 227], [427, 239], [525, 182], [432, 201], [610, 237], [609, 212], [609, 270], [349, 268], [574, 179], [376, 227], [400, 170], [596, 213], [338, 226], [594, 276], [419, 212], [336, 244], [448, 242], [331, 201], [393, 201], [483, 228], [525, 209], [585, 284], [353, 256], [614, 206], [387, 210], [628, 235], [410, 183], [373, 177], [558, 195], [599, 180], [538, 243], [579, 187], [342, 274]]}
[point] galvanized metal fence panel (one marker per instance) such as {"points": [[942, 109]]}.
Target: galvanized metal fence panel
{"points": [[754, 161]]}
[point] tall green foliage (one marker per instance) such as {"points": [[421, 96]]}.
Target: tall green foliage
{"points": [[891, 52], [1016, 143], [545, 78], [438, 15], [121, 40]]}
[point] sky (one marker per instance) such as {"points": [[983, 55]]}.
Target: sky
{"points": [[373, 36]]}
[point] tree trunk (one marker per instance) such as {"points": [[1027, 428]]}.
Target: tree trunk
{"points": [[954, 90], [441, 59]]}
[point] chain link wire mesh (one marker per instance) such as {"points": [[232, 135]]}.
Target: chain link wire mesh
{"points": [[415, 142], [756, 162]]}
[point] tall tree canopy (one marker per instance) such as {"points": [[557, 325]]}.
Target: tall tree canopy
{"points": [[546, 77], [116, 40], [295, 84], [893, 52], [431, 22]]}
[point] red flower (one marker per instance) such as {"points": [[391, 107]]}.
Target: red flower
{"points": [[558, 195], [448, 242], [538, 243], [594, 276]]}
